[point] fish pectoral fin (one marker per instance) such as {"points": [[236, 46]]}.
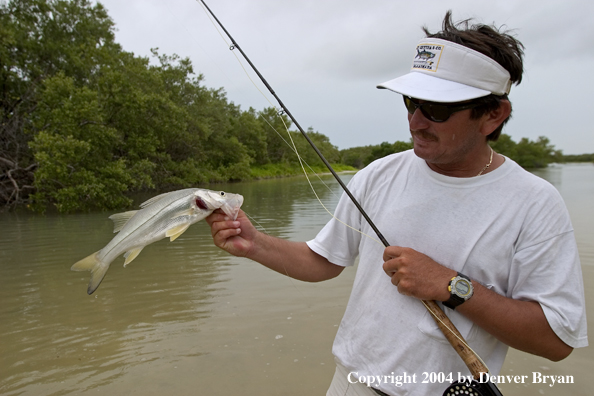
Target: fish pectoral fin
{"points": [[175, 232], [187, 212], [97, 268], [132, 254], [120, 219]]}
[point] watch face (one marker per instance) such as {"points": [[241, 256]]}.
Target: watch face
{"points": [[462, 287]]}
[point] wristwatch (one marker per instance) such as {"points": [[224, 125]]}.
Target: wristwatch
{"points": [[460, 289]]}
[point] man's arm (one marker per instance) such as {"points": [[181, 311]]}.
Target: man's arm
{"points": [[294, 259], [519, 324]]}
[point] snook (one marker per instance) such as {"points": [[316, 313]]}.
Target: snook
{"points": [[166, 215]]}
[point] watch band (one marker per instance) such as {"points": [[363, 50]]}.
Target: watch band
{"points": [[456, 300]]}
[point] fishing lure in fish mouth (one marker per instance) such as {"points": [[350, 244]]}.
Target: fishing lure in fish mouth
{"points": [[165, 216]]}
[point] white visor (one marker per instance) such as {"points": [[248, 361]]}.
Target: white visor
{"points": [[444, 71]]}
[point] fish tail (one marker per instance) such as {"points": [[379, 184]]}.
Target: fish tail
{"points": [[98, 270]]}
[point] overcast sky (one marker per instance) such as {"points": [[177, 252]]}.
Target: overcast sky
{"points": [[325, 57]]}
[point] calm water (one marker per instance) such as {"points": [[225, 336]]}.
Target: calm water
{"points": [[187, 319]]}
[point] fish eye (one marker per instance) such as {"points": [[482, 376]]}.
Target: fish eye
{"points": [[222, 193]]}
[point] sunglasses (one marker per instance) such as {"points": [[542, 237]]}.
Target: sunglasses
{"points": [[436, 112]]}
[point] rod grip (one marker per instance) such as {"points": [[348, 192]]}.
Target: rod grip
{"points": [[449, 331]]}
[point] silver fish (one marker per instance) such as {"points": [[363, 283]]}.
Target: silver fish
{"points": [[166, 215]]}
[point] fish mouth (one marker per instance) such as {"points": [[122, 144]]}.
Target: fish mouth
{"points": [[231, 207]]}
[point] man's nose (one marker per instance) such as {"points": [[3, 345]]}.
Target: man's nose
{"points": [[417, 121]]}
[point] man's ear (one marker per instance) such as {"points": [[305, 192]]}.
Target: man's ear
{"points": [[494, 118]]}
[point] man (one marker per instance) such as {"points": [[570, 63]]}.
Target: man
{"points": [[469, 228]]}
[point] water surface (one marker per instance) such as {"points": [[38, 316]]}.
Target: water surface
{"points": [[187, 319]]}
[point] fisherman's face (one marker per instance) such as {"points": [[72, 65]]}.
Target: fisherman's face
{"points": [[450, 143]]}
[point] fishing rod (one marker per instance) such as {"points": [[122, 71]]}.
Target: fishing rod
{"points": [[470, 358], [286, 111]]}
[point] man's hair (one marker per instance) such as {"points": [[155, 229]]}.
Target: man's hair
{"points": [[492, 42]]}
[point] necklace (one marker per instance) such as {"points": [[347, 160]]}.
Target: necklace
{"points": [[488, 165]]}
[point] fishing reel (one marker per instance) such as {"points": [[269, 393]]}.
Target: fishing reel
{"points": [[473, 389]]}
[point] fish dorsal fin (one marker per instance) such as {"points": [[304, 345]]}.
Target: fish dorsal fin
{"points": [[120, 219], [153, 200], [175, 232], [131, 255]]}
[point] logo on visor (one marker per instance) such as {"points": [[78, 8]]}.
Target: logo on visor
{"points": [[427, 57]]}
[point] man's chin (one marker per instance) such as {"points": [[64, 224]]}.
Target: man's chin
{"points": [[424, 148]]}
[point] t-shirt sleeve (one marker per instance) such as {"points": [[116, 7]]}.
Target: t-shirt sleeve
{"points": [[549, 272], [339, 240], [546, 268]]}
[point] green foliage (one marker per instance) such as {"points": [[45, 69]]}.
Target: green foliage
{"points": [[85, 123], [360, 157], [355, 156], [72, 147], [250, 132], [322, 142], [278, 142], [38, 39], [527, 153], [578, 158], [283, 170]]}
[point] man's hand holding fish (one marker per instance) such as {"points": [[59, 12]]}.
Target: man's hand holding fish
{"points": [[291, 258]]}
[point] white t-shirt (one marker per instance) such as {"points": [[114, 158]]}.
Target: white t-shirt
{"points": [[507, 229]]}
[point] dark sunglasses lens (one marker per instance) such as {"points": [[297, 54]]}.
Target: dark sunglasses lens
{"points": [[437, 113], [410, 106], [431, 111]]}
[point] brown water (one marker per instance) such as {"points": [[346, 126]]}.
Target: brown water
{"points": [[187, 319]]}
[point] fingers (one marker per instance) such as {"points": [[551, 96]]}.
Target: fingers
{"points": [[399, 280], [416, 274], [223, 226], [390, 267], [394, 259], [392, 252], [225, 229], [217, 216], [234, 236], [397, 265]]}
